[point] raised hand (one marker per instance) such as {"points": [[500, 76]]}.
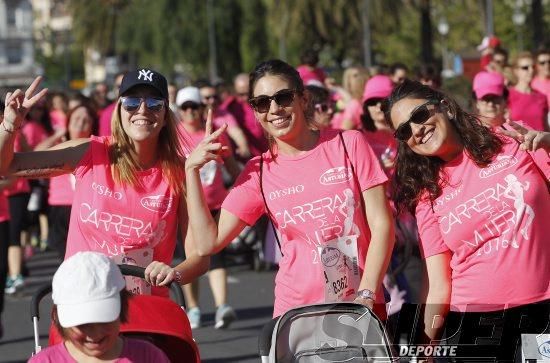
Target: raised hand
{"points": [[530, 140], [208, 149], [18, 104]]}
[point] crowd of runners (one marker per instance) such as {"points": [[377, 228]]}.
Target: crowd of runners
{"points": [[357, 176]]}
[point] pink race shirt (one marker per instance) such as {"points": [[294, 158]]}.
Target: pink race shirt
{"points": [[353, 112], [313, 198], [133, 351], [119, 220], [34, 133], [59, 119], [221, 117], [21, 185], [531, 108], [211, 174], [494, 220], [61, 190], [308, 74]]}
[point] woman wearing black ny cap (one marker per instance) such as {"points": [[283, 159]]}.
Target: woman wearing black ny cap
{"points": [[129, 195]]}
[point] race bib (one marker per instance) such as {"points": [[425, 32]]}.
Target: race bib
{"points": [[139, 257], [339, 259]]}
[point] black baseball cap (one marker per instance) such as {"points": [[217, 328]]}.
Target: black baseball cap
{"points": [[146, 77]]}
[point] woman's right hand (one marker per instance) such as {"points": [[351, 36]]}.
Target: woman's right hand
{"points": [[18, 104], [530, 140], [208, 149]]}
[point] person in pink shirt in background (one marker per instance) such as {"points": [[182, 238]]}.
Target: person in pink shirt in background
{"points": [[541, 82], [129, 198], [490, 95], [353, 82], [210, 98], [482, 206], [106, 114], [525, 103], [83, 123], [323, 191], [192, 113], [238, 106], [58, 110], [308, 70]]}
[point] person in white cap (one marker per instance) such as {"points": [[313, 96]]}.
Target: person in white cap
{"points": [[90, 302]]}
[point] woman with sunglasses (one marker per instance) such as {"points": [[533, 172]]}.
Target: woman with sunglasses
{"points": [[316, 187], [129, 196], [525, 103], [482, 206]]}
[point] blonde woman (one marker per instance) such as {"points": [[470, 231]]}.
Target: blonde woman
{"points": [[129, 195], [353, 82]]}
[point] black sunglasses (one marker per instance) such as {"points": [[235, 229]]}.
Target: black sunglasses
{"points": [[211, 97], [526, 68], [323, 107], [373, 101], [190, 105], [262, 103], [419, 115], [132, 104], [542, 63]]}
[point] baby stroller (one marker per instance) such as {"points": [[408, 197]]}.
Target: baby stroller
{"points": [[330, 332], [154, 318]]}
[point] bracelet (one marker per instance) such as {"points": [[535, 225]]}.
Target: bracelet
{"points": [[10, 131], [366, 294], [178, 278]]}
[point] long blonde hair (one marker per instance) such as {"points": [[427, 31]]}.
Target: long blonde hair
{"points": [[171, 155], [353, 81]]}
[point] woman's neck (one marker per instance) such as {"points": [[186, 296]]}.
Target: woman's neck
{"points": [[301, 144], [523, 87], [146, 155]]}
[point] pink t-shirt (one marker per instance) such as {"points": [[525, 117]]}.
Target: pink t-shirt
{"points": [[211, 174], [494, 220], [543, 86], [308, 74], [34, 133], [4, 208], [244, 114], [353, 112], [61, 190], [105, 120], [118, 219], [531, 108], [59, 119], [309, 197], [221, 117], [133, 351]]}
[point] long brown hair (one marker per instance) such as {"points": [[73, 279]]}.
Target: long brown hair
{"points": [[417, 174]]}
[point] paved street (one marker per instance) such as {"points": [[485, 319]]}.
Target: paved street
{"points": [[250, 293]]}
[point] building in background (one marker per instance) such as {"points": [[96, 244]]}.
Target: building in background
{"points": [[17, 61]]}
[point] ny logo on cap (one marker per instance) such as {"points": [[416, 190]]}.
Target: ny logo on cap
{"points": [[147, 75]]}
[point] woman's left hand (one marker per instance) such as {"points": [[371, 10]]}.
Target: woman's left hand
{"points": [[530, 140], [159, 274]]}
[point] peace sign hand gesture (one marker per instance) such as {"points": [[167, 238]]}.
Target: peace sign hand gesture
{"points": [[18, 104], [530, 140], [208, 149]]}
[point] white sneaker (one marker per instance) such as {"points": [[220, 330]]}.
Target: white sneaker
{"points": [[224, 316], [194, 315]]}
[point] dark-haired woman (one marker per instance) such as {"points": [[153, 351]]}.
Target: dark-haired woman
{"points": [[324, 192], [482, 205]]}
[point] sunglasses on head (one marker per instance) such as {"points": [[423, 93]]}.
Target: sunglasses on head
{"points": [[190, 105], [262, 103], [323, 107], [419, 115], [132, 104]]}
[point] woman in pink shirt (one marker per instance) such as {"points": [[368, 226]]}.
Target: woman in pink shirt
{"points": [[323, 191], [525, 103], [482, 207], [83, 123], [129, 197]]}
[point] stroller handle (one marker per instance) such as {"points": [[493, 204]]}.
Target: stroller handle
{"points": [[127, 270]]}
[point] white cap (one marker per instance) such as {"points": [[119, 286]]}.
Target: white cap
{"points": [[86, 289], [188, 94]]}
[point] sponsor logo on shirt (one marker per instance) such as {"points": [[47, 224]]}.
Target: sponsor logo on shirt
{"points": [[337, 175], [330, 256], [502, 163], [156, 203], [106, 191], [286, 191]]}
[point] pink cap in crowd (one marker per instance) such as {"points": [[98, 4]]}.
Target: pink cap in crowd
{"points": [[379, 86], [488, 83]]}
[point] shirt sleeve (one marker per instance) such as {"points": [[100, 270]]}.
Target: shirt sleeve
{"points": [[431, 241], [366, 164], [245, 199], [87, 160]]}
